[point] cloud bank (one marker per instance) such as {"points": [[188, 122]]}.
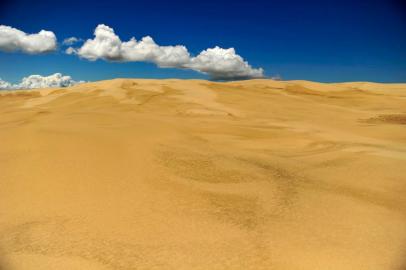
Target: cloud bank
{"points": [[218, 63], [38, 81], [12, 39]]}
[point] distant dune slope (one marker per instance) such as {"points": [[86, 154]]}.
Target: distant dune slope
{"points": [[191, 174]]}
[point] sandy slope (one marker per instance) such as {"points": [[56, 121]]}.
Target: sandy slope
{"points": [[172, 174]]}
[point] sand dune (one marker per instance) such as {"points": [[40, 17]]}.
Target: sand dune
{"points": [[191, 174]]}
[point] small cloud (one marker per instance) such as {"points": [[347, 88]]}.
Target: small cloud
{"points": [[70, 41], [70, 51], [38, 81], [12, 39], [277, 77], [218, 63]]}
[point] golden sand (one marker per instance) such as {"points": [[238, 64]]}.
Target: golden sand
{"points": [[190, 174]]}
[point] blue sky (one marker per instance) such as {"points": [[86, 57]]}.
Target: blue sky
{"points": [[323, 41]]}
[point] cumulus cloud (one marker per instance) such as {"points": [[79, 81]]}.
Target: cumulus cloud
{"points": [[5, 85], [70, 41], [224, 64], [218, 63], [108, 46], [38, 81], [12, 39]]}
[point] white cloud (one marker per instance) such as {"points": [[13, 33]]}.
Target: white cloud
{"points": [[224, 64], [218, 63], [108, 46], [38, 81], [70, 41], [12, 39], [147, 50], [70, 50], [5, 85]]}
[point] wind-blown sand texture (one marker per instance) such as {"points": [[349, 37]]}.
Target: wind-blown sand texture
{"points": [[190, 174]]}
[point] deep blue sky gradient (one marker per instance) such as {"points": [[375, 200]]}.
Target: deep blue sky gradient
{"points": [[324, 41]]}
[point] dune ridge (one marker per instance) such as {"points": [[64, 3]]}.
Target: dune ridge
{"points": [[191, 174]]}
